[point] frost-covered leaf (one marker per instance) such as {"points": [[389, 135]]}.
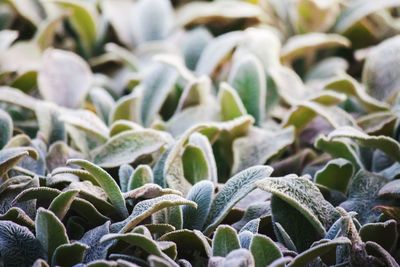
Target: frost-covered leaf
{"points": [[19, 247], [225, 240], [383, 233], [145, 208], [264, 250], [6, 125], [91, 238], [64, 78], [247, 77], [69, 254], [201, 194], [9, 157], [106, 182], [61, 204], [126, 108], [231, 105], [234, 190], [335, 175], [127, 146], [140, 176], [50, 231]]}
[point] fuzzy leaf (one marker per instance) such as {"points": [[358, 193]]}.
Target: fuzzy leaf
{"points": [[234, 190], [383, 233], [9, 157], [6, 125], [248, 79], [225, 240], [69, 254], [195, 167], [61, 204], [106, 182], [50, 231], [335, 175], [201, 194], [142, 175], [19, 247], [264, 250], [231, 105], [126, 147]]}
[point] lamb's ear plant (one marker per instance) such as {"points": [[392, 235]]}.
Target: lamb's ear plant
{"points": [[183, 133]]}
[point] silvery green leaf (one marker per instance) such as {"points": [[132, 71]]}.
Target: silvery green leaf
{"points": [[148, 191], [50, 231], [157, 84], [357, 10], [386, 144], [375, 249], [58, 155], [253, 212], [264, 250], [234, 189], [106, 182], [51, 128], [125, 55], [84, 20], [7, 126], [301, 45], [245, 238], [102, 101], [239, 257], [379, 75], [47, 30], [225, 240], [230, 103], [258, 146], [145, 208], [30, 10], [141, 175], [170, 215], [19, 247], [124, 173], [339, 149], [127, 146], [69, 254], [195, 42], [362, 193], [154, 20], [19, 217], [322, 248], [201, 193], [335, 175], [126, 108], [61, 204], [64, 78], [202, 142], [383, 233], [195, 165], [96, 250], [18, 98], [9, 157], [196, 92], [349, 86], [247, 77], [302, 114], [327, 69], [303, 195], [216, 51]]}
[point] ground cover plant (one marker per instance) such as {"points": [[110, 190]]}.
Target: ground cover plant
{"points": [[216, 133]]}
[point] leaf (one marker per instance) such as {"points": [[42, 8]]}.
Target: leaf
{"points": [[349, 86], [201, 193], [83, 18], [360, 9], [9, 157], [248, 79], [19, 247], [154, 20], [322, 248], [61, 204], [234, 190], [18, 216], [189, 243], [7, 37], [125, 171], [335, 175], [304, 196], [149, 190], [386, 144], [50, 126], [258, 146], [301, 45], [127, 146], [305, 112], [195, 167], [229, 100], [362, 193], [239, 257], [106, 182], [157, 84], [91, 238], [264, 250], [49, 231], [194, 44], [64, 78], [145, 208], [141, 176], [216, 52], [379, 76], [102, 101], [7, 126], [69, 254], [16, 97], [126, 108], [376, 250], [383, 233], [225, 240]]}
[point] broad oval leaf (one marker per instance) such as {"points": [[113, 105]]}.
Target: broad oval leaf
{"points": [[225, 241]]}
